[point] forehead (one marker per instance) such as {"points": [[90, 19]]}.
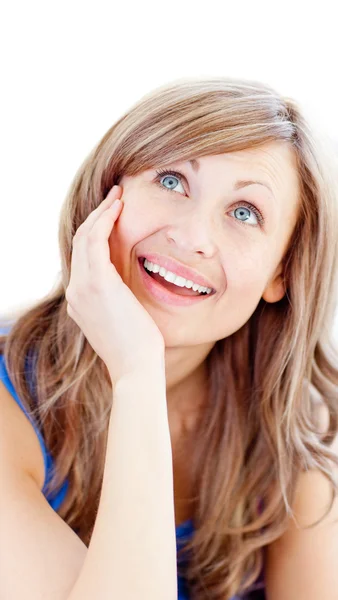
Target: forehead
{"points": [[274, 162]]}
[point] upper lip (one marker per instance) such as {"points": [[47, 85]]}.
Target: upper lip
{"points": [[170, 264]]}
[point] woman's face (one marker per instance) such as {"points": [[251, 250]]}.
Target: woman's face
{"points": [[206, 222]]}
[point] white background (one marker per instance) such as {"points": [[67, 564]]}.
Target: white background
{"points": [[70, 69]]}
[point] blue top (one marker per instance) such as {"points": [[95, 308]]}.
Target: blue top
{"points": [[183, 531]]}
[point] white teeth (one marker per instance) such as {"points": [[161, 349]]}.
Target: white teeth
{"points": [[176, 279], [169, 276]]}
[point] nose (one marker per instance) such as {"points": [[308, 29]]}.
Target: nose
{"points": [[193, 233]]}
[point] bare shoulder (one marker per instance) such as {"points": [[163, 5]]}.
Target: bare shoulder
{"points": [[19, 444], [313, 490], [40, 555], [302, 563]]}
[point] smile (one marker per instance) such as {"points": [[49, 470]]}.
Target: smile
{"points": [[166, 291]]}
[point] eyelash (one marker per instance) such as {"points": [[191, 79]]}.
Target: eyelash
{"points": [[180, 176]]}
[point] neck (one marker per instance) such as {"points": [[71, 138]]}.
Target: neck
{"points": [[186, 378]]}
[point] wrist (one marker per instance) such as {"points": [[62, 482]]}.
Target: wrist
{"points": [[150, 365], [142, 393], [148, 373]]}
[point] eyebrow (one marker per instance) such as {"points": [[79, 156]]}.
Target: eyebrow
{"points": [[239, 184]]}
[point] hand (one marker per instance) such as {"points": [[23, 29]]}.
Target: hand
{"points": [[114, 322]]}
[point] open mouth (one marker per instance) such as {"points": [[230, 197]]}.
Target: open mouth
{"points": [[172, 287]]}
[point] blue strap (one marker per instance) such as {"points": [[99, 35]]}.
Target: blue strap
{"points": [[57, 498]]}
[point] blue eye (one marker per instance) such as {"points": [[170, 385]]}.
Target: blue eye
{"points": [[172, 175], [246, 206]]}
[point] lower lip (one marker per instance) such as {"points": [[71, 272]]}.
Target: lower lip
{"points": [[164, 295]]}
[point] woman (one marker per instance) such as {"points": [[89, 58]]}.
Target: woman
{"points": [[180, 378]]}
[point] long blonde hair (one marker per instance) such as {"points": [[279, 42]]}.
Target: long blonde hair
{"points": [[260, 429]]}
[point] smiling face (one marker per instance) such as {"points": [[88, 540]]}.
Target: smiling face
{"points": [[234, 237]]}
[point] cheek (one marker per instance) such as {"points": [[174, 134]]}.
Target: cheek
{"points": [[246, 275], [135, 223], [246, 278], [128, 222], [139, 217]]}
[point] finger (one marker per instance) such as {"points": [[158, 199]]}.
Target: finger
{"points": [[79, 258], [98, 258], [86, 226], [79, 270]]}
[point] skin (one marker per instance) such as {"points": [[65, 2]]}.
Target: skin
{"points": [[199, 224]]}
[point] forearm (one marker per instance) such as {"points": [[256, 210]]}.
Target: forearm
{"points": [[132, 552]]}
